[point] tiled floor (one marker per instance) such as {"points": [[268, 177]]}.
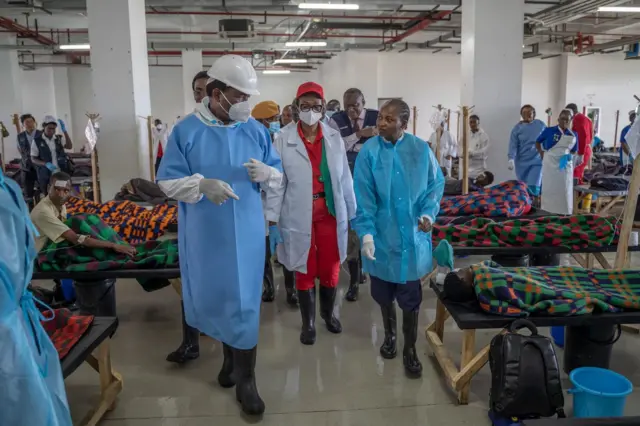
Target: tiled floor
{"points": [[340, 381]]}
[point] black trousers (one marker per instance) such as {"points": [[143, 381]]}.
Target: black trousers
{"points": [[408, 296], [29, 179], [268, 269]]}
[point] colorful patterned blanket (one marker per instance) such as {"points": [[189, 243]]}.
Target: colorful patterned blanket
{"points": [[576, 232], [510, 199], [65, 329], [64, 257], [133, 223], [557, 290]]}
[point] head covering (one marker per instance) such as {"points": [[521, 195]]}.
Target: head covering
{"points": [[265, 109], [49, 119], [310, 87]]}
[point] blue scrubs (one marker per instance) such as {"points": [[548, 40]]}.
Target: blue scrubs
{"points": [[623, 141], [551, 136], [395, 186], [522, 150], [222, 248]]}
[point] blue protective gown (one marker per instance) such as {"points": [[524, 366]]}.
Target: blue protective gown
{"points": [[522, 150], [221, 247], [32, 390], [395, 186]]}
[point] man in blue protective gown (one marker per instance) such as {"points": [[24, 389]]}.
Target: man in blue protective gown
{"points": [[398, 185], [523, 155], [217, 161], [32, 390]]}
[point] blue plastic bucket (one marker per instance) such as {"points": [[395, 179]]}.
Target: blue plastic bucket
{"points": [[598, 392], [557, 333]]}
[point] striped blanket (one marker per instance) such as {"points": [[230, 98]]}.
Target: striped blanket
{"points": [[510, 199], [133, 223], [558, 290]]}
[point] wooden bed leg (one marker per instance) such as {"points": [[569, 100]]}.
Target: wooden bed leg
{"points": [[441, 316], [468, 348], [105, 371]]}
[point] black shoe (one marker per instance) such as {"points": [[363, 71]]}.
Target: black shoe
{"points": [[225, 377], [190, 347], [412, 364], [388, 349], [354, 281], [327, 301], [363, 276], [307, 300], [246, 389], [268, 292], [289, 285]]}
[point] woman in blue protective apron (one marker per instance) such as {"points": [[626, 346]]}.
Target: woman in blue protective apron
{"points": [[32, 391], [556, 146]]}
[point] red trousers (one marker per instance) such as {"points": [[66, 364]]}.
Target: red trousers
{"points": [[578, 172], [324, 257]]}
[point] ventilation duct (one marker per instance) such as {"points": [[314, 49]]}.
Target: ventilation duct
{"points": [[236, 28]]}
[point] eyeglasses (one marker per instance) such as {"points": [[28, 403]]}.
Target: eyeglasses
{"points": [[307, 108]]}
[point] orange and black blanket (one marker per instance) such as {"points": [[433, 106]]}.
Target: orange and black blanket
{"points": [[65, 329], [133, 223]]}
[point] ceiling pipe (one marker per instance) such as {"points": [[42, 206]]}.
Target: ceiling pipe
{"points": [[289, 15], [25, 32], [419, 26]]}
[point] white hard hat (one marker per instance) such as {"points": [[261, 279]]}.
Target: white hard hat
{"points": [[49, 119], [236, 72]]}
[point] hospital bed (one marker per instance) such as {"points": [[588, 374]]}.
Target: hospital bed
{"points": [[604, 203], [612, 421]]}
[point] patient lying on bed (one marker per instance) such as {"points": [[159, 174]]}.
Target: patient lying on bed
{"points": [[454, 186], [560, 290]]}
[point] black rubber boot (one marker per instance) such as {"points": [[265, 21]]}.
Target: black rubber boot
{"points": [[225, 377], [363, 276], [290, 287], [190, 347], [307, 300], [327, 301], [268, 292], [412, 364], [246, 389], [388, 350], [354, 280]]}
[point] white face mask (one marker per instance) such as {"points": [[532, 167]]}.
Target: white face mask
{"points": [[310, 117], [159, 127], [238, 112]]}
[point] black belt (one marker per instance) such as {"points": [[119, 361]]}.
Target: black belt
{"points": [[318, 195]]}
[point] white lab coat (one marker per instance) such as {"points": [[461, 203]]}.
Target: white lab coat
{"points": [[478, 153], [557, 185], [448, 147], [160, 137], [291, 204], [633, 138]]}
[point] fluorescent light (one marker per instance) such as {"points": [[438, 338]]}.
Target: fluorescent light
{"points": [[290, 61], [306, 44], [276, 71], [329, 6], [619, 9], [74, 47]]}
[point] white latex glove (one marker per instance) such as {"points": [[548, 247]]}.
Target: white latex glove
{"points": [[512, 164], [368, 248], [217, 191], [579, 159], [258, 171]]}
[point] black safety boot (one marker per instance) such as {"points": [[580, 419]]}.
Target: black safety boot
{"points": [[225, 377], [363, 276], [290, 287], [190, 347], [412, 364], [246, 389], [327, 301], [388, 349], [307, 299], [354, 280], [268, 292]]}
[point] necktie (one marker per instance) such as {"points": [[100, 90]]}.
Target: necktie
{"points": [[356, 126]]}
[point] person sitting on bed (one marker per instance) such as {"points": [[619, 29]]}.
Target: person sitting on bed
{"points": [[454, 186], [49, 215]]}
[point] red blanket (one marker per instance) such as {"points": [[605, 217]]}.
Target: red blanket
{"points": [[66, 329]]}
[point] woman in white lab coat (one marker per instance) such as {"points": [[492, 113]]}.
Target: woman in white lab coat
{"points": [[445, 145], [310, 212]]}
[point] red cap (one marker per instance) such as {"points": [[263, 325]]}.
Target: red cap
{"points": [[310, 87]]}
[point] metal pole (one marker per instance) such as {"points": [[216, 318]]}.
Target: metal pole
{"points": [[615, 134], [465, 151], [152, 165], [415, 119]]}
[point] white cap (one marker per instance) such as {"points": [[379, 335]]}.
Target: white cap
{"points": [[49, 119], [236, 72]]}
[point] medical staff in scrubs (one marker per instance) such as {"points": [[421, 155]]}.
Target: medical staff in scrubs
{"points": [[312, 208], [32, 390], [398, 185], [625, 158], [558, 147], [523, 155], [217, 161], [447, 148], [478, 148], [583, 129]]}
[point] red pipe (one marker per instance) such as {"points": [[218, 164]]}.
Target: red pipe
{"points": [[287, 15], [25, 32], [419, 26]]}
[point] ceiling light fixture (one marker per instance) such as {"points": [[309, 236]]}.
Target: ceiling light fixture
{"points": [[305, 44], [629, 9], [290, 61], [74, 47], [329, 6], [276, 71]]}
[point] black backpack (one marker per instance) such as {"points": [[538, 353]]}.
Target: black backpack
{"points": [[525, 377]]}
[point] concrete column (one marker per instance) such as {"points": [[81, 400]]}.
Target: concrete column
{"points": [[492, 37], [63, 103], [120, 80], [10, 95], [191, 65]]}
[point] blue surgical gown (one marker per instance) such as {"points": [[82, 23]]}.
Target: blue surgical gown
{"points": [[623, 141], [522, 149], [32, 389], [221, 247], [395, 186]]}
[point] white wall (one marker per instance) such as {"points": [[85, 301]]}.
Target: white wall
{"points": [[38, 95]]}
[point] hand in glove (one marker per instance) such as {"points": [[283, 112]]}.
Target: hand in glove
{"points": [[579, 159], [217, 191], [424, 224], [512, 164], [258, 171], [274, 237], [368, 248], [51, 167], [63, 128]]}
